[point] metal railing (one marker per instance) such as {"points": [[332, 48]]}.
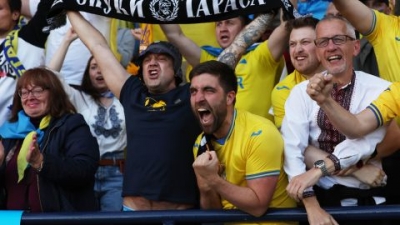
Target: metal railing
{"points": [[170, 217]]}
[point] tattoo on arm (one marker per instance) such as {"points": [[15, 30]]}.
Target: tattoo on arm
{"points": [[228, 58], [249, 35]]}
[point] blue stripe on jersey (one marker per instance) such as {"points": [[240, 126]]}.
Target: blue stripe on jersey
{"points": [[377, 114], [282, 87], [373, 24], [263, 174]]}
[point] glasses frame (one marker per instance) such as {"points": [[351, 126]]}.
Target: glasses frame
{"points": [[337, 40], [36, 92]]}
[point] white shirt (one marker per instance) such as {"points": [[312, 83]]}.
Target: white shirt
{"points": [[112, 119], [300, 129]]}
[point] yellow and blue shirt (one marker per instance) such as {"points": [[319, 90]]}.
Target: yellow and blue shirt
{"points": [[385, 38], [281, 92], [387, 106], [252, 149]]}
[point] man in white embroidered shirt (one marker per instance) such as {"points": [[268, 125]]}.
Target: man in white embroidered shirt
{"points": [[305, 126]]}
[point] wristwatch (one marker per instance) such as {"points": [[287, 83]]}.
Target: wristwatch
{"points": [[320, 164]]}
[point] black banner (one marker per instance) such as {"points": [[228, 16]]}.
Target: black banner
{"points": [[170, 11]]}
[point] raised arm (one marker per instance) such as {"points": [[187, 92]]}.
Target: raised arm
{"points": [[249, 35], [361, 19], [189, 50], [57, 60], [114, 74], [26, 7], [353, 126], [278, 41]]}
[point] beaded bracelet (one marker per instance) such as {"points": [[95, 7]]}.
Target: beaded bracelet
{"points": [[335, 161]]}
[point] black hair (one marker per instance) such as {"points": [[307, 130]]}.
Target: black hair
{"points": [[226, 75], [87, 85], [307, 21], [15, 5]]}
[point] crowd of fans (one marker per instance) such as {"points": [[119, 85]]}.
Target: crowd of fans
{"points": [[107, 115]]}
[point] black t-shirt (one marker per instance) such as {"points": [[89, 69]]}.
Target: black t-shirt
{"points": [[161, 131]]}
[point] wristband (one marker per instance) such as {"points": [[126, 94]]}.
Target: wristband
{"points": [[307, 194], [335, 161]]}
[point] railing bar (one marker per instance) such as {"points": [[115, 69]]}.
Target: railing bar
{"points": [[205, 216]]}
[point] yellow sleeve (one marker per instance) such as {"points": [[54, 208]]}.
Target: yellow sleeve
{"points": [[378, 26], [387, 106]]}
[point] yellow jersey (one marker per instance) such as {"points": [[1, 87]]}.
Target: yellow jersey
{"points": [[385, 38], [387, 105], [252, 149], [281, 93]]}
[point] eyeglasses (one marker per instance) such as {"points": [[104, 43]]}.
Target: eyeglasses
{"points": [[337, 40], [36, 92]]}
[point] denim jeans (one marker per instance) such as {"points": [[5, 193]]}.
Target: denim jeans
{"points": [[108, 184]]}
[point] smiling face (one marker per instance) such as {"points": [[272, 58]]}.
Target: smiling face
{"points": [[227, 30], [303, 51], [337, 58], [96, 77], [158, 73], [210, 104], [34, 100]]}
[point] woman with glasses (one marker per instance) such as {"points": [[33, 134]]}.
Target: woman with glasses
{"points": [[105, 116], [48, 156]]}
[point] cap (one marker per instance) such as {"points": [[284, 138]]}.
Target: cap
{"points": [[163, 47]]}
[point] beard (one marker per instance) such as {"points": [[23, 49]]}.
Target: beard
{"points": [[219, 117]]}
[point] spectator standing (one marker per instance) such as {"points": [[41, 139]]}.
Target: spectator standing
{"points": [[239, 154], [305, 124], [382, 30], [258, 70], [304, 59], [48, 156], [104, 114], [161, 127]]}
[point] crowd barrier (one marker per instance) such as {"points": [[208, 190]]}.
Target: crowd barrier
{"points": [[171, 217]]}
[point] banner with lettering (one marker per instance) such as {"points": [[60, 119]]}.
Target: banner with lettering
{"points": [[170, 11]]}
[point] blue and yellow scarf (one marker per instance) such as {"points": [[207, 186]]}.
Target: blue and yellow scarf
{"points": [[23, 129], [9, 47]]}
